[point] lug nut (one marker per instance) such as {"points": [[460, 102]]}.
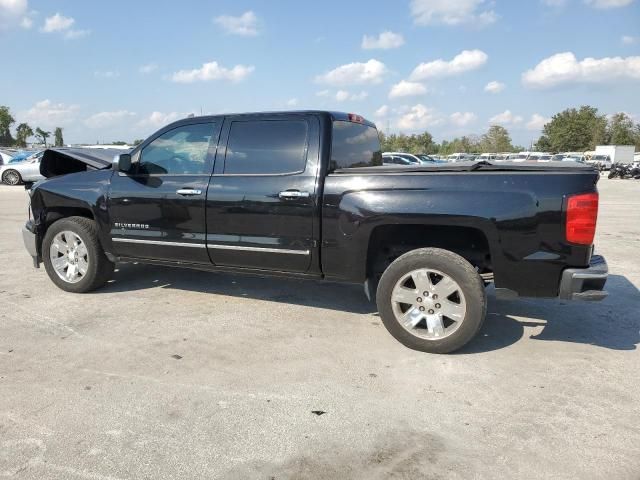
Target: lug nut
{"points": [[419, 299], [438, 305], [422, 309], [426, 294], [430, 312], [435, 296]]}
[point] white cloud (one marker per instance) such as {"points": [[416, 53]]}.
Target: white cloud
{"points": [[494, 87], [245, 25], [385, 41], [505, 118], [73, 34], [603, 4], [212, 71], [452, 12], [465, 61], [628, 40], [26, 23], [354, 74], [323, 93], [159, 119], [47, 114], [418, 117], [60, 24], [462, 119], [383, 111], [343, 96], [564, 68], [537, 122], [292, 102], [106, 74], [57, 23], [555, 3], [407, 89], [12, 11], [148, 68], [107, 119]]}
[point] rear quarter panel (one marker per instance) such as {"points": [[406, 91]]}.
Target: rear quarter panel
{"points": [[520, 214]]}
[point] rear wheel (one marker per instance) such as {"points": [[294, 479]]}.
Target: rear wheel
{"points": [[432, 300], [73, 256], [11, 177]]}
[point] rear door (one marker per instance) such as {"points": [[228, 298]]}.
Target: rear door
{"points": [[262, 200], [158, 210]]}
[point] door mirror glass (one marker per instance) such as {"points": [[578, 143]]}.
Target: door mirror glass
{"points": [[122, 162]]}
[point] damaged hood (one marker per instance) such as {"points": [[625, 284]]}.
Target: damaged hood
{"points": [[62, 161]]}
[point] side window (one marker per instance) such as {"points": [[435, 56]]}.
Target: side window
{"points": [[354, 145], [180, 151], [267, 147]]}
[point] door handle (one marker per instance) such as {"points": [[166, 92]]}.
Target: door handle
{"points": [[290, 194], [188, 191]]}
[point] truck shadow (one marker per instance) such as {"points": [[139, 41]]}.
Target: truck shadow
{"points": [[309, 293], [613, 323]]}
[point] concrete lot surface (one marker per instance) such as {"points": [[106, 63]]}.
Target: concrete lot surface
{"points": [[171, 373]]}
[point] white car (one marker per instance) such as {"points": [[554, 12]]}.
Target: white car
{"points": [[5, 158], [26, 171], [603, 162]]}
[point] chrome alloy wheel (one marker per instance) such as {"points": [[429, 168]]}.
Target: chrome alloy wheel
{"points": [[428, 304], [69, 256], [11, 177]]}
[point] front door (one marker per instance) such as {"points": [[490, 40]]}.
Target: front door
{"points": [[158, 210], [262, 203]]}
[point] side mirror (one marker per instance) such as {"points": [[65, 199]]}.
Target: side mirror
{"points": [[122, 162]]}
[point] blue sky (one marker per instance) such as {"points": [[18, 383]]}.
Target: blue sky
{"points": [[119, 70]]}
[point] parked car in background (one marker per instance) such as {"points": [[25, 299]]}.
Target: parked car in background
{"points": [[602, 162], [486, 157], [22, 155], [5, 157], [26, 171], [518, 157], [459, 157], [394, 159]]}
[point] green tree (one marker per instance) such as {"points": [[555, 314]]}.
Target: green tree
{"points": [[621, 130], [543, 144], [42, 135], [23, 132], [59, 141], [497, 140], [138, 141], [576, 129], [6, 120]]}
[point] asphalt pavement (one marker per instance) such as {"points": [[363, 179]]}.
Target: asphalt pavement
{"points": [[169, 373]]}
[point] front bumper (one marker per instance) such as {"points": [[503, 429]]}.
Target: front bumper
{"points": [[29, 238], [585, 283]]}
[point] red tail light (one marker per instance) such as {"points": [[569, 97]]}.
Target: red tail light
{"points": [[582, 214]]}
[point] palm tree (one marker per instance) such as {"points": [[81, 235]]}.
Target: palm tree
{"points": [[43, 135]]}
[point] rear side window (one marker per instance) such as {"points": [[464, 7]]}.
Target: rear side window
{"points": [[267, 147], [354, 145]]}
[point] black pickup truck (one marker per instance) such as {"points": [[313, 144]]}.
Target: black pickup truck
{"points": [[305, 194]]}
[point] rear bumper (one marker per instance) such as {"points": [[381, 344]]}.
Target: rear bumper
{"points": [[29, 238], [585, 283]]}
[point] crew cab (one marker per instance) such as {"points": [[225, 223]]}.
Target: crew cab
{"points": [[306, 194]]}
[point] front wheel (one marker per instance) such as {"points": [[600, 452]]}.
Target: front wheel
{"points": [[432, 300], [73, 256], [11, 177]]}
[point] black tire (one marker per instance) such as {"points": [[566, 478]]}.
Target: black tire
{"points": [[100, 268], [7, 173], [455, 267]]}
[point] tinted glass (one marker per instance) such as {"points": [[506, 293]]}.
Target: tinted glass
{"points": [[354, 145], [180, 151], [267, 147]]}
